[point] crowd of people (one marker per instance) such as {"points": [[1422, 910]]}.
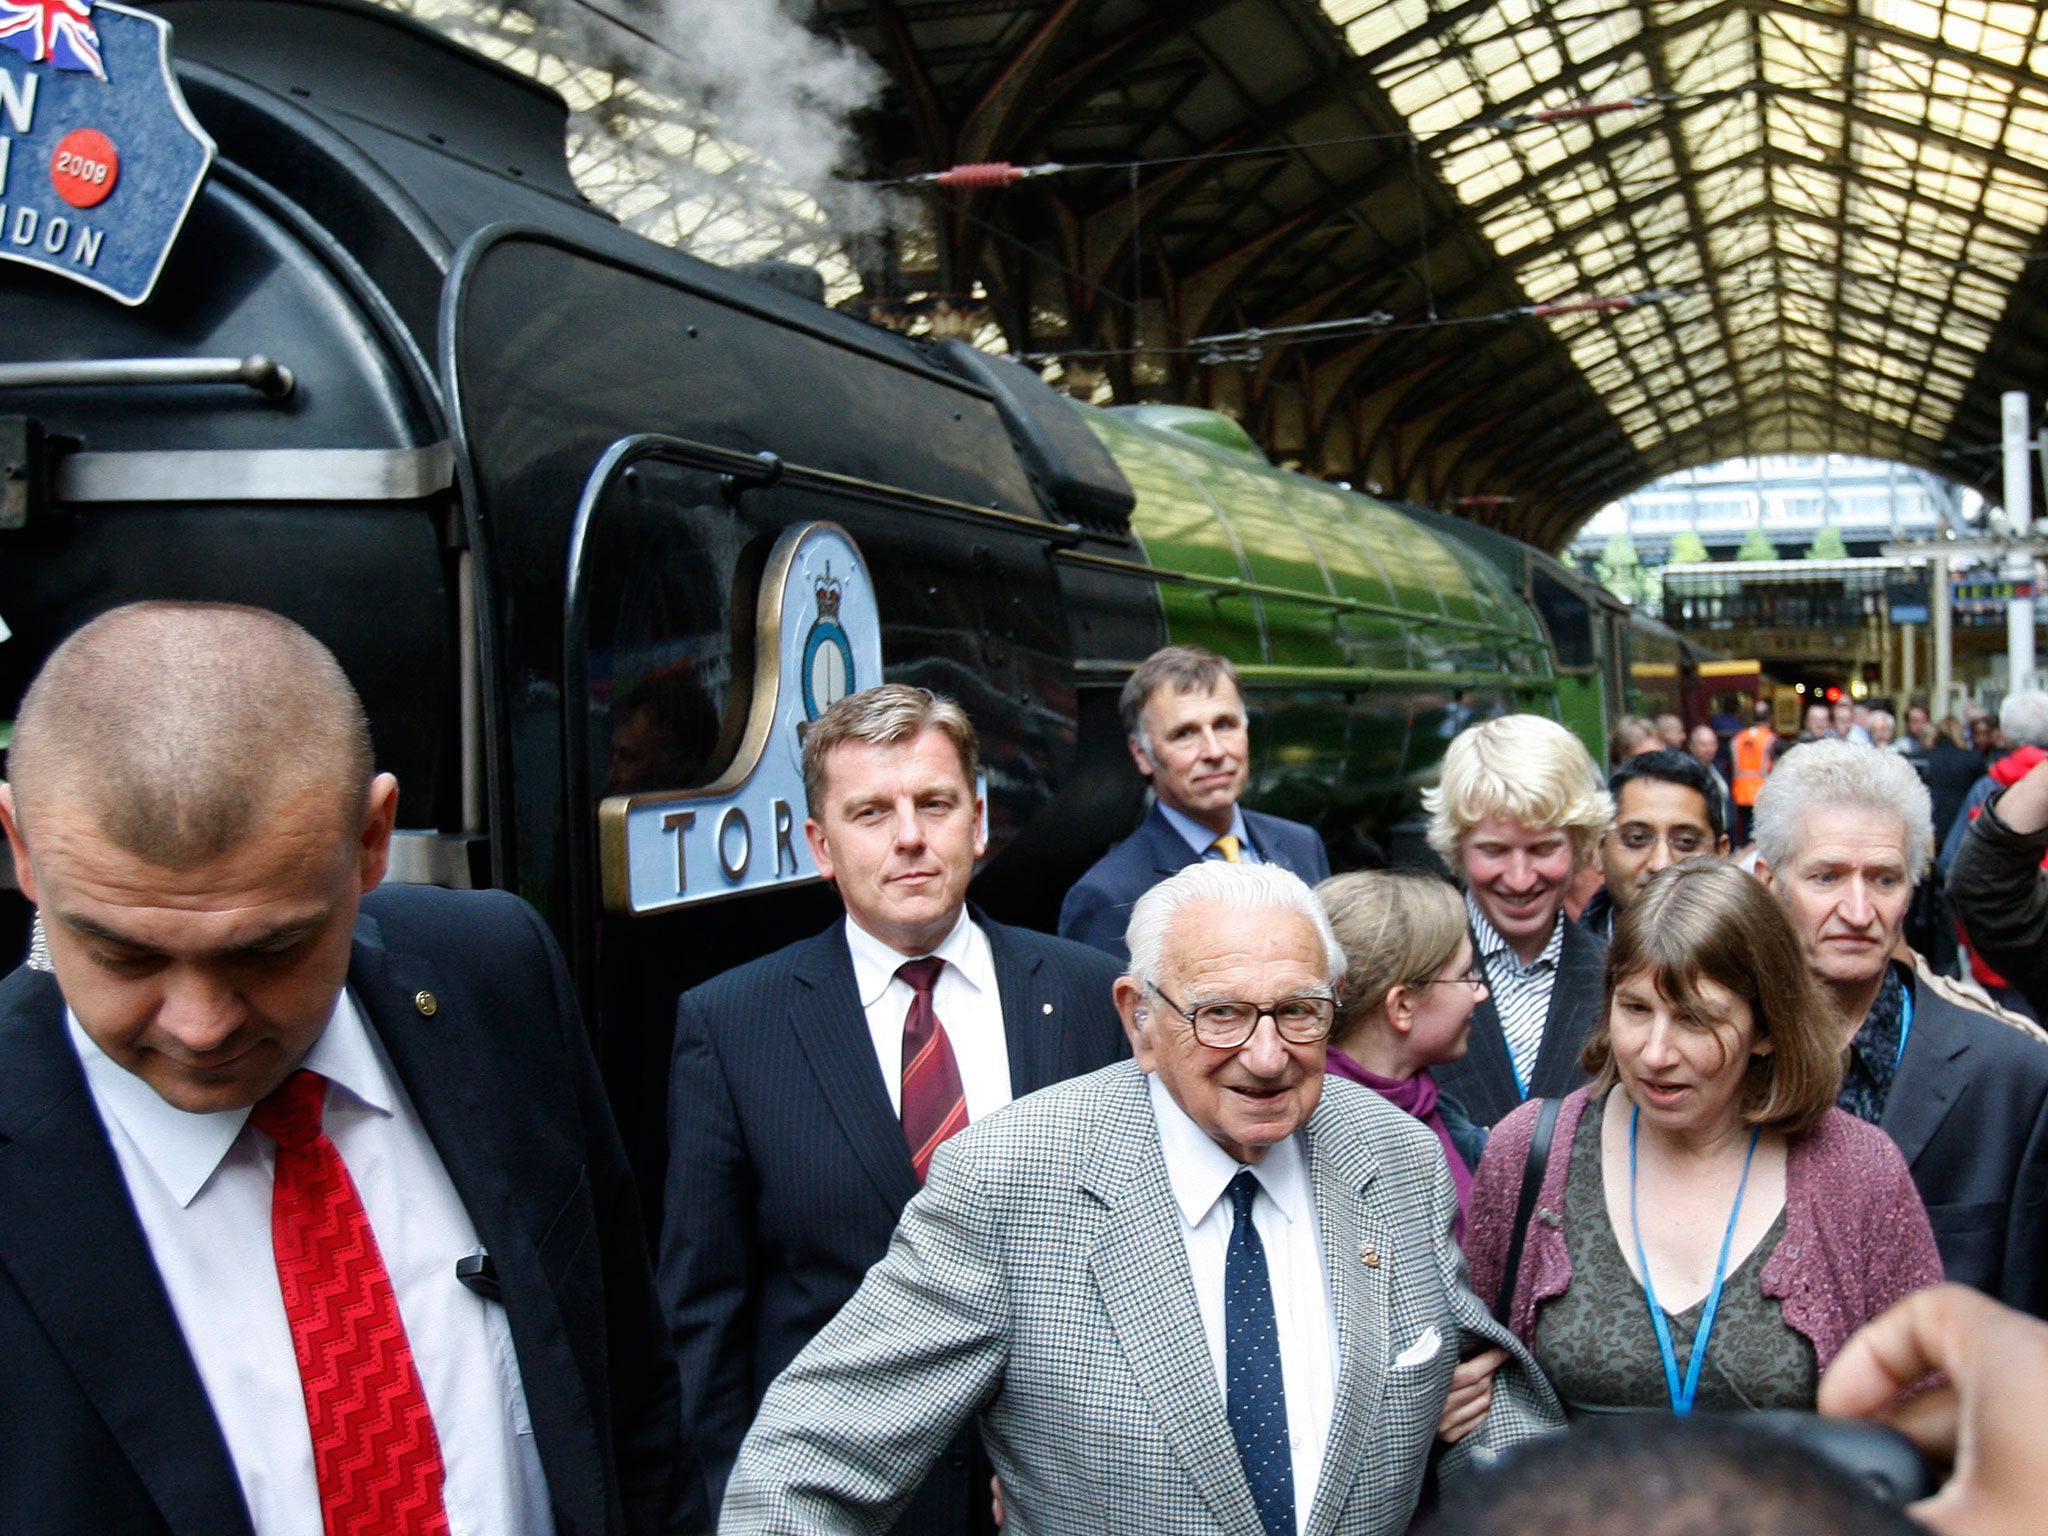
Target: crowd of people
{"points": [[1258, 1200]]}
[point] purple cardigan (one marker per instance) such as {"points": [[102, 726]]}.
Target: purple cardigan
{"points": [[1856, 1236]]}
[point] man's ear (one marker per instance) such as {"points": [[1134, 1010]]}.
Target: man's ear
{"points": [[1721, 848], [1136, 1012], [1763, 873], [1139, 755], [24, 873], [821, 855], [373, 840]]}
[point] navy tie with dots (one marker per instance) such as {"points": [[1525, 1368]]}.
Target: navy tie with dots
{"points": [[1255, 1395]]}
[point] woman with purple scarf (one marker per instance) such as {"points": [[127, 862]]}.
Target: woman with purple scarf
{"points": [[1409, 992]]}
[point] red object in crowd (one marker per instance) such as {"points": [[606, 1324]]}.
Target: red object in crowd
{"points": [[2008, 770]]}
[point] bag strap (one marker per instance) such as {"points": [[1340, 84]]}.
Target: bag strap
{"points": [[1525, 1207]]}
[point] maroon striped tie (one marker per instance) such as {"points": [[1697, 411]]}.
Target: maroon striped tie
{"points": [[375, 1454], [934, 1106]]}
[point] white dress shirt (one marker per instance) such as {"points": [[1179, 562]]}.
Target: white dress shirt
{"points": [[1203, 842], [965, 999], [1521, 993], [201, 1184], [1285, 1215]]}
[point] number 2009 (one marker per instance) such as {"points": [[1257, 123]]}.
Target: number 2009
{"points": [[70, 164]]}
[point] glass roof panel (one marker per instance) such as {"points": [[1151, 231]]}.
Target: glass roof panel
{"points": [[1833, 196]]}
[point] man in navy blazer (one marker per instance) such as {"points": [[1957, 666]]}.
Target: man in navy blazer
{"points": [[1184, 719], [801, 1081], [191, 808]]}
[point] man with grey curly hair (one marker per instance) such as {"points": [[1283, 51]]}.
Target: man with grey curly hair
{"points": [[1139, 1280], [1517, 812], [1842, 836]]}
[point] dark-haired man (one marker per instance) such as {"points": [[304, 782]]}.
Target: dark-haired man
{"points": [[1667, 808], [312, 1213], [811, 1087], [1184, 720]]}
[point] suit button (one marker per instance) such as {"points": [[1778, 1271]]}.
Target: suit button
{"points": [[957, 1460], [424, 1001]]}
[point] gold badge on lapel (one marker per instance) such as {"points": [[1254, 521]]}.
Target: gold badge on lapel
{"points": [[424, 1001]]}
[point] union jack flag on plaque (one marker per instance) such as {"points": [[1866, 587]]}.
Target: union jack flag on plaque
{"points": [[59, 33]]}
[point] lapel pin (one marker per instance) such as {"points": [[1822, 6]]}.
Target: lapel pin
{"points": [[1048, 1008], [424, 1001], [1370, 1254]]}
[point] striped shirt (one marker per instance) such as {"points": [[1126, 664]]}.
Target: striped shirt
{"points": [[1521, 993]]}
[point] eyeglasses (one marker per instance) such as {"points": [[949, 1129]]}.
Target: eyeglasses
{"points": [[1469, 979], [1226, 1026]]}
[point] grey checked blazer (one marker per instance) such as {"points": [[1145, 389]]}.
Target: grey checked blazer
{"points": [[1040, 1280]]}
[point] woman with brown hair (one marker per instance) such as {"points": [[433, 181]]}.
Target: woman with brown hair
{"points": [[1409, 990], [1709, 1229]]}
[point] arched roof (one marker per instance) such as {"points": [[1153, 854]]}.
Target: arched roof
{"points": [[1825, 217], [1837, 207]]}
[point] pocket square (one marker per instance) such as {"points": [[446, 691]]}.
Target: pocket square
{"points": [[1421, 1352]]}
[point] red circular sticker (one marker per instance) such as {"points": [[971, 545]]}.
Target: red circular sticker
{"points": [[85, 167]]}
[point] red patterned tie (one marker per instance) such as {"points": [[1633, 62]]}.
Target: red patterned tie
{"points": [[375, 1453], [934, 1107]]}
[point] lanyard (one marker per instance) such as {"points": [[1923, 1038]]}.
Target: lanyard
{"points": [[1681, 1397], [1905, 1028]]}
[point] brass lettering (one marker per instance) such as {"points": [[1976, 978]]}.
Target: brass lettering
{"points": [[734, 868], [784, 824], [680, 822]]}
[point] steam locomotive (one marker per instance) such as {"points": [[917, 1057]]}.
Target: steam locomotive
{"points": [[596, 527]]}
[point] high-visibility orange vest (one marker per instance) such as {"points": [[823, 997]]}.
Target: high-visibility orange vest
{"points": [[1752, 762]]}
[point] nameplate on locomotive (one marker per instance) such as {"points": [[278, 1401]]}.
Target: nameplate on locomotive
{"points": [[100, 158], [817, 638]]}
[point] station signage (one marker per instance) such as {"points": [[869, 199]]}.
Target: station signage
{"points": [[818, 637], [1981, 604], [100, 158], [1909, 599]]}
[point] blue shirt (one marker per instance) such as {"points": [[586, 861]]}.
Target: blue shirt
{"points": [[1203, 841]]}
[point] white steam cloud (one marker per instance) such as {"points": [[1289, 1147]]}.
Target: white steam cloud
{"points": [[749, 73]]}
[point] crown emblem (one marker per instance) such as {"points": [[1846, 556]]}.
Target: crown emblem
{"points": [[829, 591]]}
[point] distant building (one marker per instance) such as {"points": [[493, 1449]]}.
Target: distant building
{"points": [[1787, 498]]}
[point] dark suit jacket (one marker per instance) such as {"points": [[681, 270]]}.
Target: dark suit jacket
{"points": [[1969, 1109], [1098, 908], [788, 1168], [1483, 1083], [105, 1424]]}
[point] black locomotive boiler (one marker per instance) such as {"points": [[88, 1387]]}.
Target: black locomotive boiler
{"points": [[594, 525]]}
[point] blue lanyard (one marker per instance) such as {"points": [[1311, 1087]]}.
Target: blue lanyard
{"points": [[1681, 1397], [1905, 1028]]}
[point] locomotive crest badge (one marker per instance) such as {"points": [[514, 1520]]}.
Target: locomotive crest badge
{"points": [[828, 655], [100, 158], [818, 637]]}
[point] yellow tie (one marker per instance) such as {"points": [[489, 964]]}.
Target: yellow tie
{"points": [[1227, 846]]}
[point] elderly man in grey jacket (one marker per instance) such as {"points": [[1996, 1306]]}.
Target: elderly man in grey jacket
{"points": [[1200, 1292]]}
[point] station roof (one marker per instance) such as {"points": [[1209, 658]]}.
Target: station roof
{"points": [[1784, 226]]}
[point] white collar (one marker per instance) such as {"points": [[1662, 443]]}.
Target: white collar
{"points": [[1490, 943], [875, 964], [1199, 837], [183, 1149], [1200, 1171]]}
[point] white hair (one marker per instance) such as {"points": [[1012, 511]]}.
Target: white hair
{"points": [[1846, 774], [2024, 718], [1237, 888]]}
